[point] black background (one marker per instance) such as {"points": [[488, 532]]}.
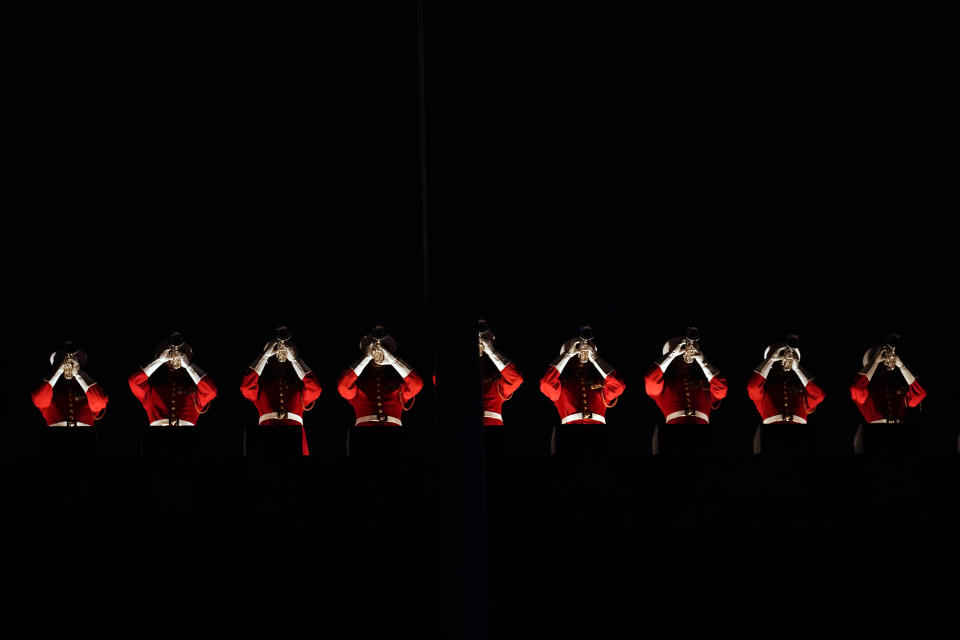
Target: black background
{"points": [[219, 174]]}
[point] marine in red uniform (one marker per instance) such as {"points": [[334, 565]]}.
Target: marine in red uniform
{"points": [[683, 383], [379, 386], [281, 385], [69, 397], [885, 388], [782, 390], [499, 378], [589, 386], [173, 390]]}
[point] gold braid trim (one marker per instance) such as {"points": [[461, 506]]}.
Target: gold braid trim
{"points": [[605, 403], [200, 409], [403, 405]]}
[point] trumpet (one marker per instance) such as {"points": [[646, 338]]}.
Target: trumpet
{"points": [[70, 367], [583, 352], [174, 357], [376, 351], [690, 351], [789, 359], [890, 358]]}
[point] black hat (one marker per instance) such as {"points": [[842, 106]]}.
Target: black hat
{"points": [[175, 339], [378, 333], [483, 330], [69, 348]]}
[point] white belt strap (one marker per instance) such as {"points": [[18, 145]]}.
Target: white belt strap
{"points": [[273, 415], [165, 422], [493, 414], [579, 416], [64, 423], [782, 418], [681, 414], [389, 419], [885, 421]]}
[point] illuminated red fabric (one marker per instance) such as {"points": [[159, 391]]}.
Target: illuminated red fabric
{"points": [[783, 396], [882, 400], [678, 394], [275, 393], [580, 391], [496, 391], [378, 391], [67, 401], [172, 399]]}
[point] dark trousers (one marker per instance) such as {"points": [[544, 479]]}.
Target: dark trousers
{"points": [[166, 442], [377, 441], [68, 441], [581, 441], [784, 439], [685, 439], [495, 442], [273, 441]]}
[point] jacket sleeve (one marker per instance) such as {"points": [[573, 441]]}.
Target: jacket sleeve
{"points": [[755, 388], [42, 396], [550, 383], [812, 396], [96, 398], [347, 384], [311, 389], [613, 386], [718, 387], [206, 391], [250, 385], [915, 394], [653, 381], [510, 380], [411, 386], [858, 390], [139, 385]]}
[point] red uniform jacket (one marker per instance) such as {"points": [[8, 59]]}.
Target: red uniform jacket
{"points": [[690, 397], [786, 397], [275, 393], [66, 402], [881, 400], [496, 391], [583, 392], [379, 393], [172, 400]]}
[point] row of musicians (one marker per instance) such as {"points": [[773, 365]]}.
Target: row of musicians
{"points": [[380, 386]]}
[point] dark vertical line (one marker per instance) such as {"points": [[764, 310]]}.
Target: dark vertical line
{"points": [[450, 280], [424, 213]]}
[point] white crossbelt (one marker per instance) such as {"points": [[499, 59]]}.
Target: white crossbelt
{"points": [[389, 419], [165, 422], [273, 415], [493, 414], [681, 414], [579, 416], [64, 423], [885, 421], [781, 418]]}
